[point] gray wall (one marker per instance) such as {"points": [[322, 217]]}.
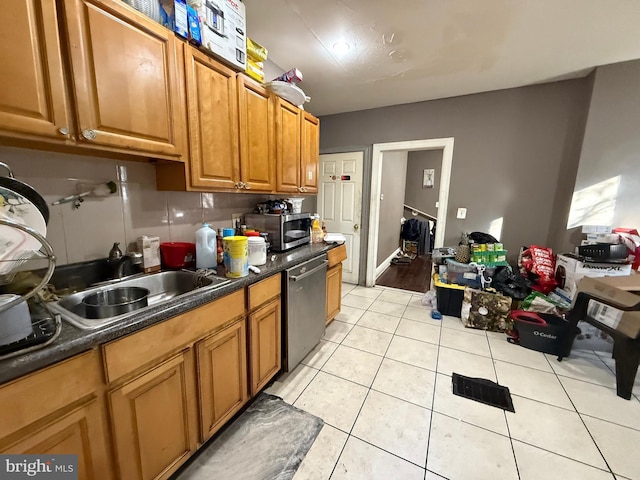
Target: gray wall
{"points": [[415, 194], [611, 144], [394, 172], [511, 147]]}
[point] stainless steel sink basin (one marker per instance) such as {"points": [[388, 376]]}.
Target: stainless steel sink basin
{"points": [[162, 286]]}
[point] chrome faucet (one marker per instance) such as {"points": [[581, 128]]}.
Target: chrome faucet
{"points": [[117, 260]]}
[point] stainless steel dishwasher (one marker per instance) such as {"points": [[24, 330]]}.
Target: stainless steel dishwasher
{"points": [[305, 309]]}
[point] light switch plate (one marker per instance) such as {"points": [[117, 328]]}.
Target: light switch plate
{"points": [[462, 213]]}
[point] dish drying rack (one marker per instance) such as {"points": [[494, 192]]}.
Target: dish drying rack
{"points": [[46, 329]]}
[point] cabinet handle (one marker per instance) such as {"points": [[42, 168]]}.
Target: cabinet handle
{"points": [[246, 186], [63, 131], [89, 134]]}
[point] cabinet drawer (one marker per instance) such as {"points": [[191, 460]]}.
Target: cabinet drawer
{"points": [[264, 290], [337, 255], [62, 384], [127, 354]]}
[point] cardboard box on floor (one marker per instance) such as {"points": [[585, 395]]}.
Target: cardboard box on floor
{"points": [[621, 297], [570, 269]]}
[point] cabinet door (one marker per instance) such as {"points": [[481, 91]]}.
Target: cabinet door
{"points": [[125, 75], [287, 147], [79, 432], [222, 377], [310, 153], [213, 121], [264, 338], [257, 152], [32, 97], [154, 419], [334, 291]]}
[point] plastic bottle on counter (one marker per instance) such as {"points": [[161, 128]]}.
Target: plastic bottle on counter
{"points": [[316, 231], [206, 247], [219, 247]]}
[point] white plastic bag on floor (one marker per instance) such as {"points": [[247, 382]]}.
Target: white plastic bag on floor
{"points": [[429, 299]]}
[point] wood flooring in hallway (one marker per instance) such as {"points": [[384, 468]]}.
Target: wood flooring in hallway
{"points": [[415, 277]]}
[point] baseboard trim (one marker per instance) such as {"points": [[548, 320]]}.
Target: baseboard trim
{"points": [[384, 265]]}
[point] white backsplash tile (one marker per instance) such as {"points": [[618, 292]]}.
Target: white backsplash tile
{"points": [[145, 212], [136, 209]]}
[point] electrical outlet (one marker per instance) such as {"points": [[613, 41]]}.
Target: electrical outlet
{"points": [[462, 213], [237, 216]]}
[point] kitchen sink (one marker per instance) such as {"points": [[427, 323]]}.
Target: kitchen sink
{"points": [[162, 287]]}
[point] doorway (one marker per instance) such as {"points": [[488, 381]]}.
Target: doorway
{"points": [[340, 204], [444, 144]]}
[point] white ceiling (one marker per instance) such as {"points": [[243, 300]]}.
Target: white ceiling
{"points": [[412, 50]]}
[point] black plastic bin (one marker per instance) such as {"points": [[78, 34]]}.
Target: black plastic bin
{"points": [[449, 298], [543, 332]]}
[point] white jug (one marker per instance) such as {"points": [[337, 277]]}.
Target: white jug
{"points": [[206, 247]]}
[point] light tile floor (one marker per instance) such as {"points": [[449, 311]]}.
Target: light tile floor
{"points": [[381, 381]]}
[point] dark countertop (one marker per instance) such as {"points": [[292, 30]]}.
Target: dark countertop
{"points": [[73, 341]]}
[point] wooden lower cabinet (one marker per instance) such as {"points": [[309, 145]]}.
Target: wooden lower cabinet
{"points": [[78, 432], [334, 291], [59, 410], [154, 419], [222, 377], [265, 325], [335, 256]]}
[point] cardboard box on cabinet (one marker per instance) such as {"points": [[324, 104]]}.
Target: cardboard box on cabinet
{"points": [[223, 29]]}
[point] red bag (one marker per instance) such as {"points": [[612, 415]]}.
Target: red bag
{"points": [[630, 238], [539, 265]]}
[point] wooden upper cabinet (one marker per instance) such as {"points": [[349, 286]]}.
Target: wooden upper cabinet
{"points": [[257, 151], [125, 78], [288, 126], [310, 153], [213, 121], [32, 94]]}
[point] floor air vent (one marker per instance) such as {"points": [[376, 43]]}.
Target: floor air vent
{"points": [[483, 391]]}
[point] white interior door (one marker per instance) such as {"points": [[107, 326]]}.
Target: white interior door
{"points": [[340, 204]]}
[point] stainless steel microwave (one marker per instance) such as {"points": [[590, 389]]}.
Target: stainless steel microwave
{"points": [[285, 231]]}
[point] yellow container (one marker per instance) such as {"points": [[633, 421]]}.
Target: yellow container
{"points": [[255, 71], [236, 256], [255, 51]]}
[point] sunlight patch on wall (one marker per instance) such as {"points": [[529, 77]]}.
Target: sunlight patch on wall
{"points": [[495, 228], [594, 205]]}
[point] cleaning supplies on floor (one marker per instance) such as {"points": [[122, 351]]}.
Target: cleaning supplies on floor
{"points": [[206, 247]]}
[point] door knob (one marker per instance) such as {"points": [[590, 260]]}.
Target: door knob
{"points": [[89, 134], [63, 131], [356, 227], [246, 186]]}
